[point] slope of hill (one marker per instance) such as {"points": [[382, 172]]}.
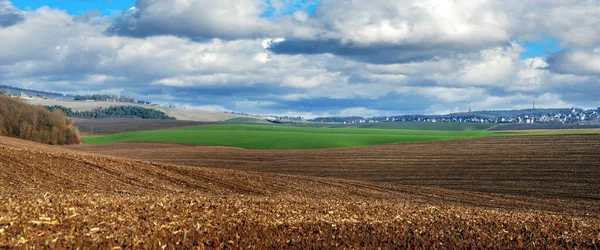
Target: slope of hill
{"points": [[564, 167], [21, 120], [177, 113], [90, 127], [54, 197], [282, 137], [114, 112]]}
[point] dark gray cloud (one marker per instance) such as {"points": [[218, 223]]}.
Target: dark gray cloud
{"points": [[196, 19], [576, 62], [9, 15], [375, 54]]}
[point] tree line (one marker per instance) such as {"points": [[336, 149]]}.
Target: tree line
{"points": [[21, 120], [109, 98], [113, 112]]}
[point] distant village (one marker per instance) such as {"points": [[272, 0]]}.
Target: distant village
{"points": [[572, 115], [525, 116]]}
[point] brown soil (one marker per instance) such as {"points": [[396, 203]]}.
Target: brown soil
{"points": [[54, 197], [553, 167], [525, 131], [89, 127]]}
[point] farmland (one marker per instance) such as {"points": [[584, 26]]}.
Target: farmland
{"points": [[564, 167], [119, 125], [288, 138], [54, 197], [282, 137], [458, 188]]}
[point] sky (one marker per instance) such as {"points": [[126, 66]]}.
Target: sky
{"points": [[309, 58]]}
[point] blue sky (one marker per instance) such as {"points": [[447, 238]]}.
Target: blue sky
{"points": [[308, 6], [541, 48], [107, 7], [351, 58], [77, 7]]}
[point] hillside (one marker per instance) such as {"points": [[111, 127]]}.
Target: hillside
{"points": [[54, 197], [282, 137], [177, 113], [21, 120], [89, 127], [556, 167], [113, 112]]}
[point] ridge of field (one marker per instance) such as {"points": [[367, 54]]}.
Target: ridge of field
{"points": [[177, 113], [107, 126], [560, 167], [282, 137], [247, 120], [56, 198]]}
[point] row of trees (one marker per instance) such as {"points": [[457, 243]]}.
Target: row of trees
{"points": [[21, 120], [98, 97], [114, 112]]}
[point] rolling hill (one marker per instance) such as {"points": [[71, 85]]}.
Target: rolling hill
{"points": [[177, 113], [282, 137], [57, 198]]}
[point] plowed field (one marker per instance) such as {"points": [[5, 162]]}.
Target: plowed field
{"points": [[53, 197], [108, 126], [561, 167]]}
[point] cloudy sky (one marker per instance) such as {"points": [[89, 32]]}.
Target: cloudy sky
{"points": [[309, 57]]}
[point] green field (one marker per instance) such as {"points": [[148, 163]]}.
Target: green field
{"points": [[283, 137], [242, 120], [287, 137]]}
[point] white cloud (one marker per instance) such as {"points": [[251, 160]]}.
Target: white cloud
{"points": [[252, 105], [520, 101], [461, 22], [361, 111], [312, 81], [405, 56], [575, 22], [444, 94], [494, 66]]}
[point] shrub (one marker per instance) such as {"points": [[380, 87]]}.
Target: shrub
{"points": [[21, 120]]}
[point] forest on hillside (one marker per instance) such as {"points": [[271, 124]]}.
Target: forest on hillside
{"points": [[21, 120], [114, 112], [104, 98]]}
